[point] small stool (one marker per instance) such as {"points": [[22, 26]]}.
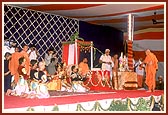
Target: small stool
{"points": [[130, 85]]}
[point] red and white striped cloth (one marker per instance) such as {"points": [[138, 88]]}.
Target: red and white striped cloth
{"points": [[69, 53], [130, 55], [153, 39]]}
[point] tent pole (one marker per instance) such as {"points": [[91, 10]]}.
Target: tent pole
{"points": [[76, 50], [91, 52]]}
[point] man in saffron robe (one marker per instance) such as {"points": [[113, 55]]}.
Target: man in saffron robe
{"points": [[26, 56], [83, 66], [151, 67], [14, 64]]}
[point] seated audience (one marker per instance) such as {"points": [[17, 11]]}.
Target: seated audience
{"points": [[47, 58], [33, 69], [77, 80], [52, 66], [33, 53], [41, 77], [55, 82], [62, 75], [160, 83], [22, 88]]}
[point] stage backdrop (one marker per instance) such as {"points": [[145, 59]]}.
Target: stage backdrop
{"points": [[42, 29], [153, 39], [103, 37]]}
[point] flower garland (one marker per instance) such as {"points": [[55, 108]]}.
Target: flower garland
{"points": [[117, 105], [101, 79], [84, 46]]}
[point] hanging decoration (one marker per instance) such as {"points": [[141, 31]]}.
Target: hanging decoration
{"points": [[101, 78], [76, 36], [30, 109], [137, 104], [96, 49], [55, 108], [84, 46]]}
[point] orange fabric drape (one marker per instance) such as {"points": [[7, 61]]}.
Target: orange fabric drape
{"points": [[14, 64], [151, 67]]}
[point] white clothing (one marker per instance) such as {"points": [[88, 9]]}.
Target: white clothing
{"points": [[105, 66], [140, 71], [21, 87], [138, 63], [33, 55], [78, 88], [47, 59], [8, 49]]}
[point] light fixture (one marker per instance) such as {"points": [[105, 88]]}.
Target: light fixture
{"points": [[154, 20]]}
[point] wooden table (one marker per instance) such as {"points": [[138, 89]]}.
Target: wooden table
{"points": [[127, 80]]}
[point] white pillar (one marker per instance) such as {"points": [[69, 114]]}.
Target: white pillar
{"points": [[91, 53], [130, 41], [76, 50], [130, 27]]}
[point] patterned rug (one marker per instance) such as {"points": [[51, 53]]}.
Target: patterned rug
{"points": [[54, 93]]}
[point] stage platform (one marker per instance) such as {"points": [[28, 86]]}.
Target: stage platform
{"points": [[106, 101]]}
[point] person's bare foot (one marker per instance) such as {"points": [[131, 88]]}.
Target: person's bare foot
{"points": [[28, 96], [9, 91], [24, 95], [153, 90]]}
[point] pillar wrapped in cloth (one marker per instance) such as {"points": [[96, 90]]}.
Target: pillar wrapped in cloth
{"points": [[130, 56]]}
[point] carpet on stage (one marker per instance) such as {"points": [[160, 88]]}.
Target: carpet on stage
{"points": [[112, 100]]}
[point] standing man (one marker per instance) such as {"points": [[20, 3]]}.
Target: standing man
{"points": [[26, 56], [115, 72], [47, 58], [7, 73], [107, 63], [140, 75], [9, 46], [33, 53], [151, 67], [14, 64]]}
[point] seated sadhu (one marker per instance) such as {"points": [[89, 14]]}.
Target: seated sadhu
{"points": [[83, 67]]}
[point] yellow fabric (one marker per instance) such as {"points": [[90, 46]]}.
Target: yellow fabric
{"points": [[54, 85]]}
